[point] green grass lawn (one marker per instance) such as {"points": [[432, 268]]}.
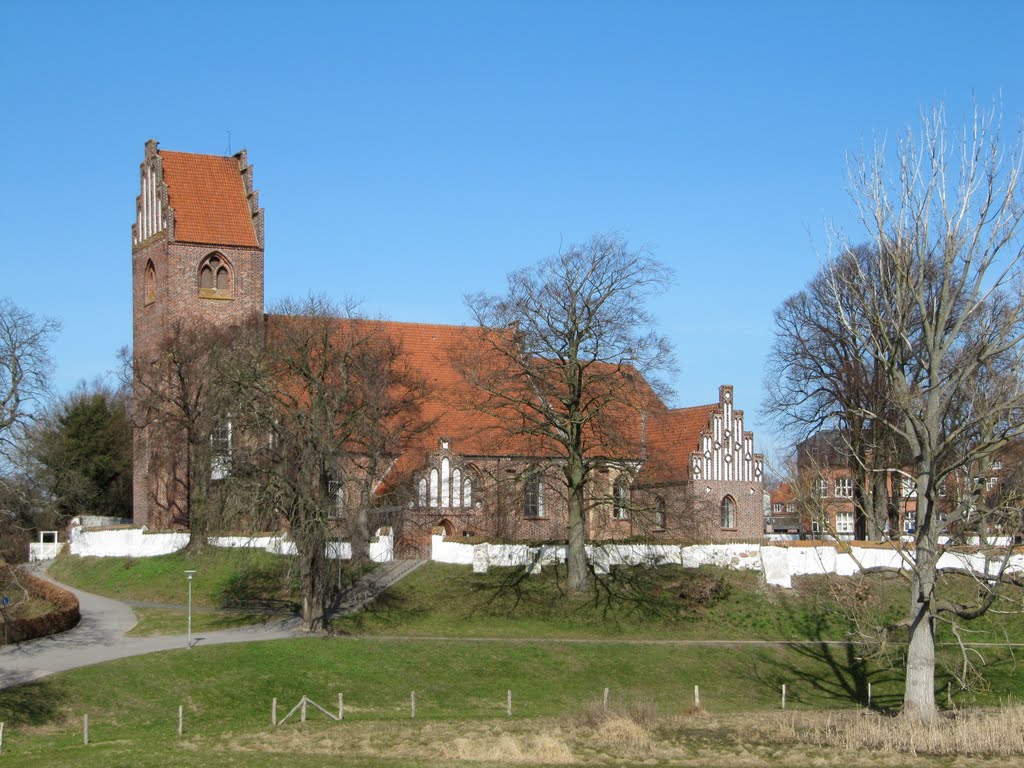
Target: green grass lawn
{"points": [[164, 621], [543, 656], [657, 603], [227, 691], [666, 602], [224, 577]]}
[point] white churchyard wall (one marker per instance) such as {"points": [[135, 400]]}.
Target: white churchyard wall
{"points": [[137, 542], [778, 564]]}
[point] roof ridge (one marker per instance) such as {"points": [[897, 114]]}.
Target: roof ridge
{"points": [[232, 156]]}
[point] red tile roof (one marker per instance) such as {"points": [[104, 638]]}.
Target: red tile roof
{"points": [[453, 407], [783, 494], [209, 199], [671, 437]]}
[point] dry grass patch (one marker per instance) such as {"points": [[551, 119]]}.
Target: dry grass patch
{"points": [[982, 733], [597, 738], [538, 749]]}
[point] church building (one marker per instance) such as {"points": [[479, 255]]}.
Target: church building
{"points": [[197, 259]]}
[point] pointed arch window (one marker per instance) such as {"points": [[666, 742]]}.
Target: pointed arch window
{"points": [[659, 514], [150, 282], [728, 512], [433, 487], [215, 277], [456, 487], [533, 495]]}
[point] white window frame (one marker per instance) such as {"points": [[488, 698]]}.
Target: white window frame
{"points": [[843, 488], [220, 450], [908, 488], [844, 522]]}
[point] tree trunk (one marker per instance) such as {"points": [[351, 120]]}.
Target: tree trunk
{"points": [[879, 502], [576, 558], [919, 696], [312, 589], [360, 531]]}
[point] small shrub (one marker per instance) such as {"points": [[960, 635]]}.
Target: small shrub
{"points": [[641, 713], [703, 590]]}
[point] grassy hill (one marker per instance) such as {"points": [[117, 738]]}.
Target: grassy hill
{"points": [[461, 687], [557, 653], [438, 600]]}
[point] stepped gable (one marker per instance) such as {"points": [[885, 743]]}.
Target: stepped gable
{"points": [[209, 199]]}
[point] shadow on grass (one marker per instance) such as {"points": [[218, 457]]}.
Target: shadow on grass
{"points": [[35, 703], [827, 672], [259, 585]]}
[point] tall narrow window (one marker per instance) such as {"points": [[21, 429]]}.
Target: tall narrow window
{"points": [[659, 514], [433, 488], [423, 492], [336, 488], [620, 499], [467, 492], [533, 496], [456, 488], [220, 450], [446, 483], [150, 282], [728, 512]]}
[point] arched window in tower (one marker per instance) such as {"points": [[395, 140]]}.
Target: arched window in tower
{"points": [[728, 512], [150, 282], [215, 277]]}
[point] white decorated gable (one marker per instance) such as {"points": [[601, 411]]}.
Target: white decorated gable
{"points": [[725, 449], [151, 207], [445, 484]]}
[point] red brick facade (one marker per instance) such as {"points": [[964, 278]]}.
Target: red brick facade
{"points": [[166, 279], [197, 260]]}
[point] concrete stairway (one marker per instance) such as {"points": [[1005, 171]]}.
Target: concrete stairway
{"points": [[373, 584]]}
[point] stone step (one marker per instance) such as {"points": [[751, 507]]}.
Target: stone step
{"points": [[371, 586]]}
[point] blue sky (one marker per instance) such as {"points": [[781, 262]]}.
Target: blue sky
{"points": [[407, 153]]}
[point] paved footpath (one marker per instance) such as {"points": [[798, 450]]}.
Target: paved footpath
{"points": [[100, 636]]}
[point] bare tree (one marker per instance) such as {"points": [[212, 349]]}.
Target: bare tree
{"points": [[562, 363], [945, 319], [328, 402], [25, 368], [822, 379], [182, 420]]}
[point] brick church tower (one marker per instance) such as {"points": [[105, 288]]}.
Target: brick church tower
{"points": [[197, 260]]}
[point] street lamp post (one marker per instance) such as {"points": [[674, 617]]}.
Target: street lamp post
{"points": [[189, 574]]}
